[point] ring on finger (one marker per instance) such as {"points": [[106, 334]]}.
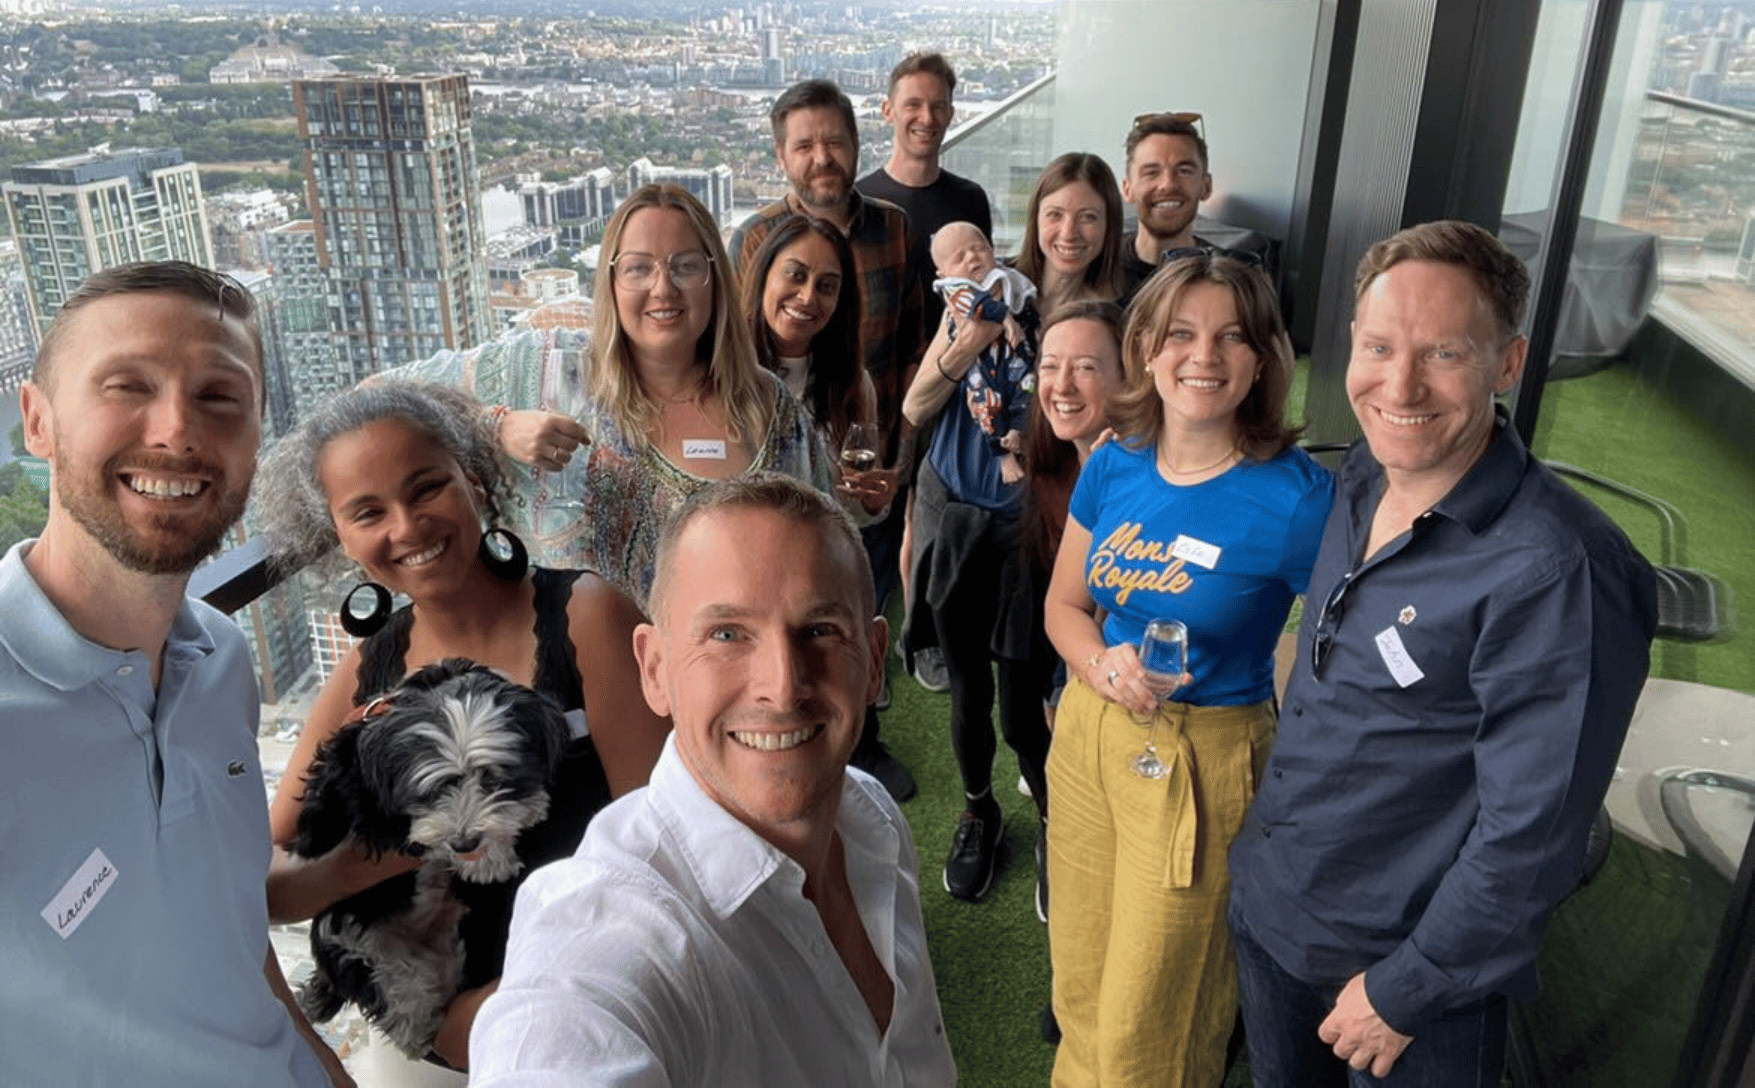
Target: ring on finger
{"points": [[1112, 675]]}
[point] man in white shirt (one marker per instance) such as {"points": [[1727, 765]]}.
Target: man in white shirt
{"points": [[753, 916]]}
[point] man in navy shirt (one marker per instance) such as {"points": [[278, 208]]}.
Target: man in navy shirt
{"points": [[1473, 644]]}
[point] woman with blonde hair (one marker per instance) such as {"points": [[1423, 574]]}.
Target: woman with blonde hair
{"points": [[667, 398], [1201, 511]]}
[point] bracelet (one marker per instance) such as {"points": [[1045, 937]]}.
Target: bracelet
{"points": [[1091, 662], [496, 419], [940, 363]]}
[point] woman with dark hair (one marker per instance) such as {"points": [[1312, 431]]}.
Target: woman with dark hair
{"points": [[801, 300], [1072, 231], [401, 478], [1200, 511], [966, 509]]}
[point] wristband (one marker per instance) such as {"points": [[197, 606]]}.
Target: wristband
{"points": [[940, 363]]}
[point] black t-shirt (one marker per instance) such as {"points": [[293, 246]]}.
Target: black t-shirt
{"points": [[949, 199]]}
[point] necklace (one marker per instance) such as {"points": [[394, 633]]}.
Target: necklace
{"points": [[692, 393], [1165, 461]]}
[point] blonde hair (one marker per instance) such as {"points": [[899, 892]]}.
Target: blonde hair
{"points": [[1137, 412], [726, 347]]}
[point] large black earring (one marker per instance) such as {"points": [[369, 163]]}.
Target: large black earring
{"points": [[504, 555], [358, 620]]}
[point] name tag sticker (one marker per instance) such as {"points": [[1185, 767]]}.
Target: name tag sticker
{"points": [[1395, 656], [76, 900], [1198, 552], [704, 449]]}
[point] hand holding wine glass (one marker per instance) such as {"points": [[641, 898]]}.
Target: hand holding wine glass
{"points": [[1164, 657], [860, 475]]}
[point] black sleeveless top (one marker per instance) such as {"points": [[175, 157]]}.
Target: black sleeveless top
{"points": [[579, 788]]}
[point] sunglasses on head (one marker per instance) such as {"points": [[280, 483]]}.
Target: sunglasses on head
{"points": [[1182, 117]]}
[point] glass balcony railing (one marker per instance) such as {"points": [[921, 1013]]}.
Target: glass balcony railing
{"points": [[1004, 151], [1692, 184]]}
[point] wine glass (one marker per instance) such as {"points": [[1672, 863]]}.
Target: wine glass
{"points": [[859, 450], [1164, 656]]}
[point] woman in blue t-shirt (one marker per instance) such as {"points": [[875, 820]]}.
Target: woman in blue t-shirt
{"points": [[1201, 511]]}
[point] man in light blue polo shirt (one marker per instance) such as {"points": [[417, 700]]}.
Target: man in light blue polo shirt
{"points": [[133, 824]]}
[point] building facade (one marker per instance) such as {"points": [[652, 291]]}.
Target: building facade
{"points": [[80, 214], [395, 200]]}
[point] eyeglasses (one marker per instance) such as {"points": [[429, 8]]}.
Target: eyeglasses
{"points": [[1242, 256], [638, 271], [1328, 622], [1181, 117]]}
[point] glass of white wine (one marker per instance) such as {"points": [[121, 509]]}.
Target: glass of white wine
{"points": [[1164, 656], [859, 450]]}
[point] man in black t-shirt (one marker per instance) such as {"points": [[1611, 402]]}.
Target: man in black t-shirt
{"points": [[1166, 180], [919, 106]]}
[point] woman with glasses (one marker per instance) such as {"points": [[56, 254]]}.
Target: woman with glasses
{"points": [[1201, 511], [667, 397]]}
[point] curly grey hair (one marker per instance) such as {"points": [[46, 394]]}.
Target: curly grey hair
{"points": [[292, 509]]}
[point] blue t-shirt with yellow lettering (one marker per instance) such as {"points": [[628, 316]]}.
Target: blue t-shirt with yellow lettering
{"points": [[1225, 557]]}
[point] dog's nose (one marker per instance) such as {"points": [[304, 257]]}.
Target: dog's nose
{"points": [[466, 844]]}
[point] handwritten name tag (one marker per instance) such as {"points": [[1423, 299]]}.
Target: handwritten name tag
{"points": [[76, 900], [704, 449], [1198, 552], [1395, 657]]}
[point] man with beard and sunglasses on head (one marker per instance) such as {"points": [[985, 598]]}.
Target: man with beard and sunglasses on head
{"points": [[816, 139], [1166, 180], [133, 820]]}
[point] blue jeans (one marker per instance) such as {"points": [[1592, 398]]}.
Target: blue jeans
{"points": [[1462, 1048]]}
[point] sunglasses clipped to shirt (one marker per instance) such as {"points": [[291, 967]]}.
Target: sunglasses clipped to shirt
{"points": [[1242, 256]]}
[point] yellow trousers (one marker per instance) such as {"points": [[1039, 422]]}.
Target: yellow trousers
{"points": [[1145, 985]]}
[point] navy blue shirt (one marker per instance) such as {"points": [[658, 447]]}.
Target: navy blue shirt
{"points": [[1436, 772]]}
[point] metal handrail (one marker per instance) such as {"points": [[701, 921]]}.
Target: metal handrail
{"points": [[962, 132]]}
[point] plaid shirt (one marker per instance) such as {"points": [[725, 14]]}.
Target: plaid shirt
{"points": [[892, 331]]}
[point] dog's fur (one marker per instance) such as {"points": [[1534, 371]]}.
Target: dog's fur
{"points": [[460, 764]]}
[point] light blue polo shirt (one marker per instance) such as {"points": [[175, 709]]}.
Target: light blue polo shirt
{"points": [[133, 853]]}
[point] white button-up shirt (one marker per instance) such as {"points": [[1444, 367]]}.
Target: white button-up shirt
{"points": [[677, 948]]}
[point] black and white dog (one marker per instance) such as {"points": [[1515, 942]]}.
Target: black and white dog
{"points": [[451, 767]]}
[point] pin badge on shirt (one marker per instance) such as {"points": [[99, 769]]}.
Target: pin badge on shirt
{"points": [[1406, 616]]}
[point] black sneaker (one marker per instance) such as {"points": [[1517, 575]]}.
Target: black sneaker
{"points": [[929, 669], [1042, 876], [874, 758], [974, 849]]}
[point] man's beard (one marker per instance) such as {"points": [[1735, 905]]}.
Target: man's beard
{"points": [[180, 540], [808, 192]]}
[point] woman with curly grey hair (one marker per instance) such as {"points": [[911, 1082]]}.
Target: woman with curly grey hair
{"points": [[400, 477]]}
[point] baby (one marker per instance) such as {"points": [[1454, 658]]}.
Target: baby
{"points": [[973, 284]]}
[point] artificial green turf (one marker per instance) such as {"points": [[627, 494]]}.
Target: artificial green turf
{"points": [[991, 957]]}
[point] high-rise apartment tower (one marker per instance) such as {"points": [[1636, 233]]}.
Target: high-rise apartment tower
{"points": [[396, 208], [80, 214]]}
